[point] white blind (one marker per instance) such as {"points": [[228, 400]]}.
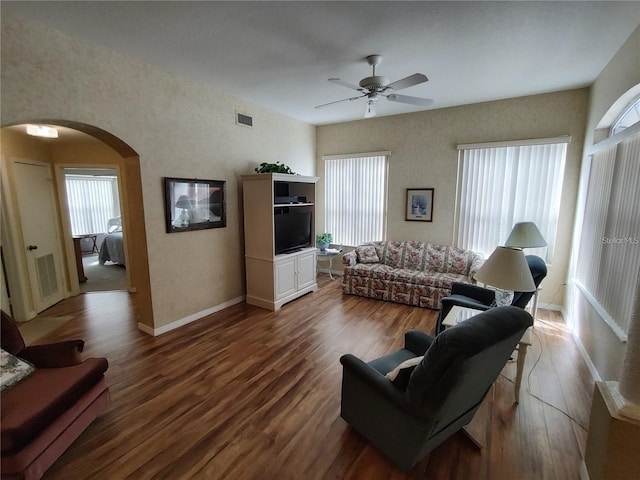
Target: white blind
{"points": [[92, 200], [356, 198], [609, 250], [500, 186]]}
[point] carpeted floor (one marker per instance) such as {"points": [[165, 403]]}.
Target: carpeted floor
{"points": [[100, 278], [37, 328]]}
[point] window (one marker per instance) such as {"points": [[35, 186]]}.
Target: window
{"points": [[502, 184], [92, 200], [609, 242], [356, 197], [630, 116]]}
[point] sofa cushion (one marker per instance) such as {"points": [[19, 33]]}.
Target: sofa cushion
{"points": [[415, 255], [394, 254], [435, 258], [12, 370], [458, 261], [32, 405], [367, 254], [367, 270]]}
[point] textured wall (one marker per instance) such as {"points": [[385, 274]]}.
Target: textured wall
{"points": [[423, 154], [178, 128], [604, 348]]}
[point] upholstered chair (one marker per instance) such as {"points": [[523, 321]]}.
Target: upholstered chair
{"points": [[480, 298], [425, 404]]}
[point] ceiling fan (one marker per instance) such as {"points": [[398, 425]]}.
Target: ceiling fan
{"points": [[377, 86]]}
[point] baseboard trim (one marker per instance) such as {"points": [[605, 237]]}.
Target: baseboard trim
{"points": [[586, 357], [189, 319]]}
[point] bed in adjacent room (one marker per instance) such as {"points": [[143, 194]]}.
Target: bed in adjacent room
{"points": [[112, 247]]}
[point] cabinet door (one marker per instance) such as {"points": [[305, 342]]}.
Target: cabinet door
{"points": [[306, 269], [285, 277]]}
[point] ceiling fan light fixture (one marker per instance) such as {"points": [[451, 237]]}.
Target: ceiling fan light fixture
{"points": [[370, 110]]}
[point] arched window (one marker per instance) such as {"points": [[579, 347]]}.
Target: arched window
{"points": [[629, 116]]}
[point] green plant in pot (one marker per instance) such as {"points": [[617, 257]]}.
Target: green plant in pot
{"points": [[273, 168], [323, 240]]}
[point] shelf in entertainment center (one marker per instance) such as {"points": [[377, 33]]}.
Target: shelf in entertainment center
{"points": [[280, 205]]}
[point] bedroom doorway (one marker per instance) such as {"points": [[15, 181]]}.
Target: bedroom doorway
{"points": [[93, 202]]}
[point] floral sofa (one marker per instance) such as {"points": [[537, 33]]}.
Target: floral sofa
{"points": [[410, 272]]}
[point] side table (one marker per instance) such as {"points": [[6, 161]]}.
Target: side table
{"points": [[327, 255], [459, 314]]}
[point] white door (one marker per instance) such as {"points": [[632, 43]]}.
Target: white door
{"points": [[38, 217]]}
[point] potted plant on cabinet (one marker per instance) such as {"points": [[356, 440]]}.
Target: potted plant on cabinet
{"points": [[323, 240]]}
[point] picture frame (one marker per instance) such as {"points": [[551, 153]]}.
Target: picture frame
{"points": [[419, 205], [194, 204]]}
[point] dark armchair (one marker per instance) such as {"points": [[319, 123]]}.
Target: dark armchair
{"points": [[480, 298], [443, 391], [45, 412]]}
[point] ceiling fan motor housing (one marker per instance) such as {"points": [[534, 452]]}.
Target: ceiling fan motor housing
{"points": [[375, 82]]}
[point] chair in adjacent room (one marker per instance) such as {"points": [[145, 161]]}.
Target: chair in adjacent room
{"points": [[480, 298], [445, 381]]}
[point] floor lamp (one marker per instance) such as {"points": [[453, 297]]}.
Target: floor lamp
{"points": [[526, 235]]}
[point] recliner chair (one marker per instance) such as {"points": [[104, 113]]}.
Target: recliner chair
{"points": [[443, 391], [480, 298]]}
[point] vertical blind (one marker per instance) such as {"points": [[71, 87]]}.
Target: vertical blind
{"points": [[92, 200], [500, 186], [356, 198], [609, 249]]}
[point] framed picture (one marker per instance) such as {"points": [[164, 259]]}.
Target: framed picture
{"points": [[419, 207], [194, 204]]}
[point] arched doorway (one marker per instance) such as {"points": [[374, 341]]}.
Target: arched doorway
{"points": [[14, 145]]}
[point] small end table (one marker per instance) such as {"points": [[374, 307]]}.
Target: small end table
{"points": [[328, 254], [459, 314]]}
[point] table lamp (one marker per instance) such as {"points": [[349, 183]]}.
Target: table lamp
{"points": [[185, 204], [507, 269]]}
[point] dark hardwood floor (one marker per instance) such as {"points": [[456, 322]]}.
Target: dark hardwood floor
{"points": [[251, 394]]}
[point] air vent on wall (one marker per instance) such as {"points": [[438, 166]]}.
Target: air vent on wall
{"points": [[244, 120], [46, 269]]}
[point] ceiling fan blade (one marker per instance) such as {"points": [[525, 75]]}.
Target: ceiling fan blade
{"points": [[337, 81], [338, 101], [409, 81], [420, 102], [371, 109]]}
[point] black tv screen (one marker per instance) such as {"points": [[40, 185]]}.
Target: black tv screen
{"points": [[292, 231]]}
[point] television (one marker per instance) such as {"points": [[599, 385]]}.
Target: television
{"points": [[292, 231]]}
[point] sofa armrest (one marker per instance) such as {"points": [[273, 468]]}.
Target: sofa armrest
{"points": [[374, 379], [476, 263], [350, 258], [482, 295], [417, 341], [54, 355]]}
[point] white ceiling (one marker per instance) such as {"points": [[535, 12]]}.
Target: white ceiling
{"points": [[280, 54]]}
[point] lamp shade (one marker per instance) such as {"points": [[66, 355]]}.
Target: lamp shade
{"points": [[507, 268], [184, 202], [525, 235]]}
